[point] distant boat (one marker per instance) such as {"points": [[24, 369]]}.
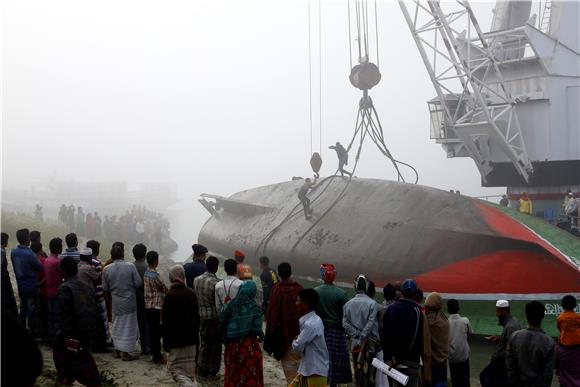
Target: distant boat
{"points": [[459, 246]]}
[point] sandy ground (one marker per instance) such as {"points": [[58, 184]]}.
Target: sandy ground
{"points": [[143, 372]]}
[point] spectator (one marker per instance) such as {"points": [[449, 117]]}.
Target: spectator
{"points": [[331, 302], [314, 363], [459, 332], [244, 271], [227, 289], [41, 328], [104, 339], [122, 280], [525, 204], [197, 267], [361, 326], [268, 278], [21, 357], [26, 266], [439, 333], [210, 348], [282, 321], [180, 328], [504, 201], [8, 299], [568, 350], [54, 277], [72, 345], [530, 352], [155, 290], [139, 252], [495, 374], [571, 209], [72, 243], [402, 338], [241, 324]]}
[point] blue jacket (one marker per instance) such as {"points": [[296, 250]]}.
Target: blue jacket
{"points": [[26, 265]]}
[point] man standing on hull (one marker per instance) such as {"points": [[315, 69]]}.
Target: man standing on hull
{"points": [[342, 158]]}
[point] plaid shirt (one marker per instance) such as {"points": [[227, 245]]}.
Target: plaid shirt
{"points": [[155, 289], [204, 289]]}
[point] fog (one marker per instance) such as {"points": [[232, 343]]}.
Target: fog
{"points": [[205, 97]]}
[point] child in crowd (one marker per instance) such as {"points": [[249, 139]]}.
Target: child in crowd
{"points": [[313, 369]]}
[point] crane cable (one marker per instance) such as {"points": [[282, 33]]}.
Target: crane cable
{"points": [[369, 119], [310, 75]]}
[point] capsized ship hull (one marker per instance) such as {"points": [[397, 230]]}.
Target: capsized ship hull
{"points": [[390, 231]]}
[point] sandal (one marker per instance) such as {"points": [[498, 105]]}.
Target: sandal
{"points": [[126, 356]]}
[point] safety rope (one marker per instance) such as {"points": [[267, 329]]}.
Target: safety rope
{"points": [[320, 72], [310, 76]]}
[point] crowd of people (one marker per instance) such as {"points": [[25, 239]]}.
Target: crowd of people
{"points": [[137, 225], [81, 304]]}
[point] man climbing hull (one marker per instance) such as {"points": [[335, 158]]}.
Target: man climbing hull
{"points": [[390, 231]]}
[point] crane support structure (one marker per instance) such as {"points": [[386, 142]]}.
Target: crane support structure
{"points": [[474, 113]]}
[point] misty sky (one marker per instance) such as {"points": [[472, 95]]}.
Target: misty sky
{"points": [[212, 96]]}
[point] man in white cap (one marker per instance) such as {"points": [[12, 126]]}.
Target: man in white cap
{"points": [[87, 272], [495, 374]]}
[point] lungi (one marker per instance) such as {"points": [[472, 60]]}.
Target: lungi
{"points": [[290, 363], [243, 363], [567, 360], [339, 371], [181, 365], [125, 332], [71, 366], [210, 348]]}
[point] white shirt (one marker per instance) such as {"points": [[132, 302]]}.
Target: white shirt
{"points": [[228, 287], [311, 344], [459, 330]]}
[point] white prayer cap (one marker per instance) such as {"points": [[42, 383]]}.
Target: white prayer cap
{"points": [[87, 252], [502, 304]]}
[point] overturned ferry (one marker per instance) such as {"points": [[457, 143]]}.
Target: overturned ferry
{"points": [[459, 246]]}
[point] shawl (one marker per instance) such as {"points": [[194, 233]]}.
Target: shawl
{"points": [[242, 316]]}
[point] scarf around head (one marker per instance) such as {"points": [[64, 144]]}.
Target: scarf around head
{"points": [[242, 316]]}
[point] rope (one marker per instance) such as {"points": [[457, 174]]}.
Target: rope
{"points": [[338, 198], [357, 8], [320, 72], [377, 33], [310, 76], [292, 214], [349, 34]]}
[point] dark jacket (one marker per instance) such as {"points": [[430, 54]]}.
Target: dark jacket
{"points": [[8, 300], [510, 325], [78, 309], [402, 336], [180, 317], [530, 358], [26, 266]]}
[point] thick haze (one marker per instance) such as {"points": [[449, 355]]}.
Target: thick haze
{"points": [[210, 96]]}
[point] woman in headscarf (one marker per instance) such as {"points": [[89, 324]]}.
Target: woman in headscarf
{"points": [[180, 328], [439, 332], [241, 326]]}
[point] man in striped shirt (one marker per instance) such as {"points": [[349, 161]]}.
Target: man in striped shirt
{"points": [[210, 348]]}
